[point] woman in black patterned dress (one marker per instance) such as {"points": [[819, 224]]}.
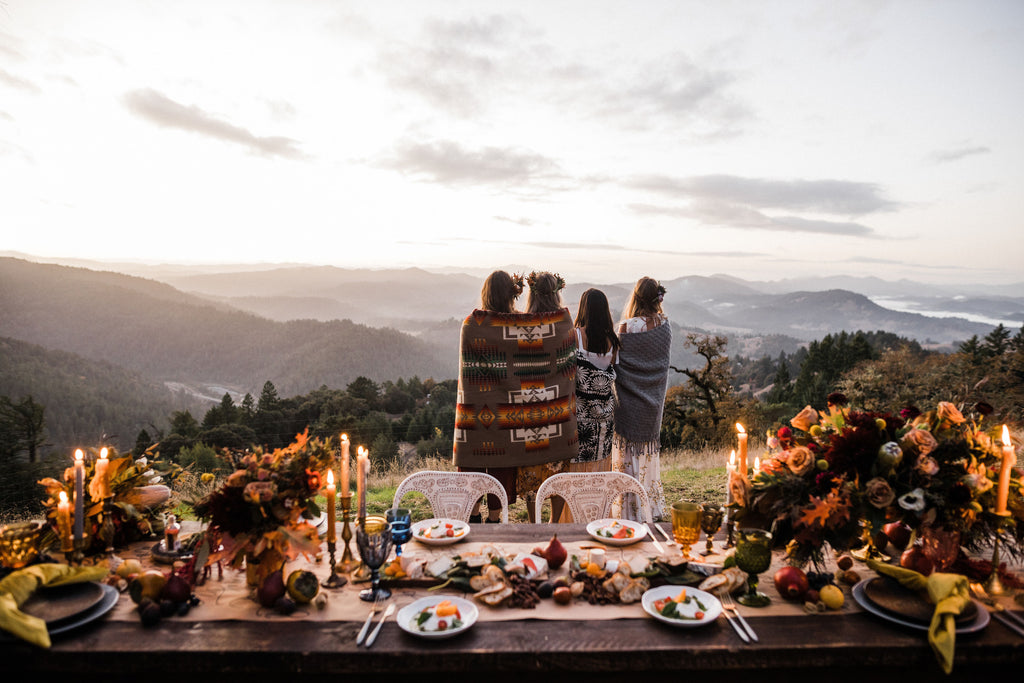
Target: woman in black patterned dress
{"points": [[596, 353]]}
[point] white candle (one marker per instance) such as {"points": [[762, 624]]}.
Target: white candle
{"points": [[757, 465], [332, 492], [742, 436], [344, 465], [64, 522], [79, 495], [1009, 460]]}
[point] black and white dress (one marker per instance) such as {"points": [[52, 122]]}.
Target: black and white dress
{"points": [[595, 405]]}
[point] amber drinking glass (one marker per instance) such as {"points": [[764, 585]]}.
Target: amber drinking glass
{"points": [[686, 523]]}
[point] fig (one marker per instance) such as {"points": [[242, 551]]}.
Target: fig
{"points": [[149, 613], [563, 595], [845, 562], [546, 589], [176, 589], [271, 589], [284, 605], [791, 583], [555, 553]]}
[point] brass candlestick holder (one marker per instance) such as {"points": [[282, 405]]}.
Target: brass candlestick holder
{"points": [[348, 562], [993, 584]]}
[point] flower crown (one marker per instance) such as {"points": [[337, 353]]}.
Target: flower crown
{"points": [[660, 293], [517, 283], [531, 280]]}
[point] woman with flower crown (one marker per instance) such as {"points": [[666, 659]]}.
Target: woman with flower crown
{"points": [[515, 414], [645, 339]]}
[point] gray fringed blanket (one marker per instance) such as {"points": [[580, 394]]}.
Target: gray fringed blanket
{"points": [[640, 383], [517, 390]]}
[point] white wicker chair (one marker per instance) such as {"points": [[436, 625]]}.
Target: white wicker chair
{"points": [[453, 494], [590, 495]]}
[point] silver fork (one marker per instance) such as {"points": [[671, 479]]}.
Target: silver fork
{"points": [[369, 619], [729, 605], [1008, 618]]}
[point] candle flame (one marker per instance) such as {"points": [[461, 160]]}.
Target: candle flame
{"points": [[103, 452], [63, 497], [732, 457], [740, 429], [330, 477], [344, 437], [757, 464], [79, 454], [1006, 436]]}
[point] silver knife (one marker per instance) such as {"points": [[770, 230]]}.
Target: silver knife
{"points": [[750, 631], [387, 613], [663, 533], [657, 545], [736, 627], [366, 625]]}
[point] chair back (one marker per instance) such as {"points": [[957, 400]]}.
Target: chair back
{"points": [[590, 495], [453, 494]]}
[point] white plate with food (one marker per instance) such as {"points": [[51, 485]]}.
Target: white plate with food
{"points": [[681, 605], [617, 531], [437, 616], [441, 531]]}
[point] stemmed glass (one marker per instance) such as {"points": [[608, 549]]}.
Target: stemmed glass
{"points": [[373, 538], [400, 520], [753, 555], [710, 522]]}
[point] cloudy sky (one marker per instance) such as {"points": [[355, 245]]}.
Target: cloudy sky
{"points": [[604, 140]]}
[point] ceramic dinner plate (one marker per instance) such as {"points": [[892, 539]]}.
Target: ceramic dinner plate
{"points": [[432, 531], [604, 530], [711, 606], [860, 596], [87, 616], [54, 605], [407, 616]]}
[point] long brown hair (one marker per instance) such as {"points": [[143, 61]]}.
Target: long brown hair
{"points": [[544, 294], [645, 301], [499, 293], [595, 318]]}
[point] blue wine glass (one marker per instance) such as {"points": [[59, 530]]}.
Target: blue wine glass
{"points": [[400, 520]]}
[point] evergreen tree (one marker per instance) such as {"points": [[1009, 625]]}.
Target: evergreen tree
{"points": [[23, 424], [268, 397], [142, 442], [997, 342]]}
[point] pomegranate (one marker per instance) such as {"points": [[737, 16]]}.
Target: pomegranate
{"points": [[898, 533], [792, 583], [915, 558]]}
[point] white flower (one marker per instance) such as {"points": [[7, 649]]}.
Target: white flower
{"points": [[913, 501]]}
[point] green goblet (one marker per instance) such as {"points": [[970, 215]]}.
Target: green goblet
{"points": [[753, 555]]}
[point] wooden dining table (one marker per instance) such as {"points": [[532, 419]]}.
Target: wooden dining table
{"points": [[851, 645]]}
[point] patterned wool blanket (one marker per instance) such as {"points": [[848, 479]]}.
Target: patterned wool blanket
{"points": [[516, 398], [640, 383]]}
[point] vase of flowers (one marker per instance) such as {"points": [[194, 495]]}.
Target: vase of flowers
{"points": [[839, 476], [259, 517]]}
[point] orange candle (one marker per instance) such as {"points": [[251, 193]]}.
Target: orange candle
{"points": [[332, 492], [1009, 460], [742, 435], [101, 476], [64, 523], [344, 465]]}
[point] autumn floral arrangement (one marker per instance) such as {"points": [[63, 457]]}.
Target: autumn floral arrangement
{"points": [[260, 514], [137, 490], [841, 476]]}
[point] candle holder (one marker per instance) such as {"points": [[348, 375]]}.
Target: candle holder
{"points": [[993, 584], [334, 580], [77, 554], [107, 532], [348, 562], [730, 526]]}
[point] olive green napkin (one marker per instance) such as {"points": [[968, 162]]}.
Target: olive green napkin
{"points": [[18, 586], [949, 593]]}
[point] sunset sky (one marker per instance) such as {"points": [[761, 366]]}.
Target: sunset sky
{"points": [[604, 140]]}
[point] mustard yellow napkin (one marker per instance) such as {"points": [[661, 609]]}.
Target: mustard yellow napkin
{"points": [[948, 592], [18, 586]]}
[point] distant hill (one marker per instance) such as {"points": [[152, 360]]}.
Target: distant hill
{"points": [[162, 333], [85, 400]]}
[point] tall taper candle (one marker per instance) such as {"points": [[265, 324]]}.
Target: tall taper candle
{"points": [[730, 470], [79, 495], [344, 465], [742, 435], [1009, 460], [101, 476], [362, 470], [332, 493]]}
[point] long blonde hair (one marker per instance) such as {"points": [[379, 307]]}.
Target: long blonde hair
{"points": [[645, 301]]}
